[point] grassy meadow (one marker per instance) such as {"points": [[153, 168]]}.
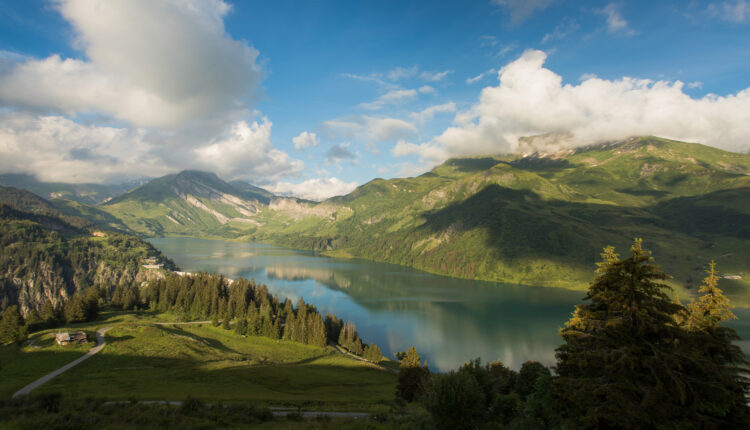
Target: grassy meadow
{"points": [[146, 361]]}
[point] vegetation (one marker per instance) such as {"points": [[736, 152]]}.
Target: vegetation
{"points": [[535, 219], [255, 311], [54, 268], [149, 361], [632, 358]]}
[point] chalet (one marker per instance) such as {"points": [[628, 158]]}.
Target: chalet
{"points": [[66, 338]]}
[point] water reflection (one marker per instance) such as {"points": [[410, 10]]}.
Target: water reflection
{"points": [[450, 321]]}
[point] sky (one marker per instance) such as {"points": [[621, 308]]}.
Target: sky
{"points": [[315, 98]]}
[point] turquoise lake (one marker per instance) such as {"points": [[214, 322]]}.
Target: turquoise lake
{"points": [[449, 320]]}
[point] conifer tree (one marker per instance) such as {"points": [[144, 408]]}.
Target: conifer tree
{"points": [[372, 353], [620, 366], [75, 310], [411, 376], [11, 326], [719, 372]]}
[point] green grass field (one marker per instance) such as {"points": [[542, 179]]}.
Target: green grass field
{"points": [[145, 361]]}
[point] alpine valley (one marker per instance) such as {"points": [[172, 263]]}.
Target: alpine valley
{"points": [[536, 218]]}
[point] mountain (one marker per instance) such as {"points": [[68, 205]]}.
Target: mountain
{"points": [[543, 218], [539, 218], [83, 193], [189, 203], [47, 257]]}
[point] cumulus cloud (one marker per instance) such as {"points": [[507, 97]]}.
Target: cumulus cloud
{"points": [[176, 85], [314, 189], [426, 89], [522, 9], [246, 152], [368, 129], [616, 24], [737, 11], [151, 63], [531, 100], [338, 153], [305, 140], [57, 149]]}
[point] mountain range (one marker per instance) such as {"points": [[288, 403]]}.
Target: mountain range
{"points": [[539, 218]]}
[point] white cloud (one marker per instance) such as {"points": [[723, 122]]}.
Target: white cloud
{"points": [[166, 72], [563, 30], [305, 140], [246, 152], [429, 113], [506, 49], [314, 189], [695, 84], [393, 97], [402, 72], [479, 77], [733, 11], [368, 129], [532, 100], [54, 148], [616, 24], [522, 9], [426, 89], [151, 63], [435, 76]]}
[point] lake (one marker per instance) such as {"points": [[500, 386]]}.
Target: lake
{"points": [[449, 320]]}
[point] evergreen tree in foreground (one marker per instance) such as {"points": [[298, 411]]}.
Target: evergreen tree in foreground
{"points": [[627, 362], [411, 376], [723, 386]]}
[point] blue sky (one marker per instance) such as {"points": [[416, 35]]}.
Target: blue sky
{"points": [[314, 98]]}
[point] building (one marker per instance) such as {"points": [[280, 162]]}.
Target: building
{"points": [[66, 338]]}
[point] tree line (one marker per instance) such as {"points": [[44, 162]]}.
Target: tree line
{"points": [[632, 358], [249, 309]]}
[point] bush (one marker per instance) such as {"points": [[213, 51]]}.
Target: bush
{"points": [[455, 400]]}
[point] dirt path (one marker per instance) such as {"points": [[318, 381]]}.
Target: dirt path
{"points": [[277, 412], [356, 357], [100, 342]]}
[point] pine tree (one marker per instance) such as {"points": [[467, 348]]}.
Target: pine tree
{"points": [[11, 326], [712, 307], [621, 366], [411, 376], [75, 310], [719, 374], [372, 353]]}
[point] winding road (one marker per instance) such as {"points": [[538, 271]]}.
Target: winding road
{"points": [[100, 342]]}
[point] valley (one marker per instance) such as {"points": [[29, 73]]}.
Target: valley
{"points": [[539, 218]]}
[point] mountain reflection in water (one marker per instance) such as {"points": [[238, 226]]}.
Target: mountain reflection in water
{"points": [[449, 320]]}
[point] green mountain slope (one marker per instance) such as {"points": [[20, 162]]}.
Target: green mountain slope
{"points": [[189, 203], [46, 260], [542, 219], [535, 219]]}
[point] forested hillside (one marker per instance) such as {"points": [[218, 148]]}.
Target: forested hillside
{"points": [[541, 218], [46, 259]]}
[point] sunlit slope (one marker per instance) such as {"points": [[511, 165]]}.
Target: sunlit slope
{"points": [[189, 203], [542, 219]]}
